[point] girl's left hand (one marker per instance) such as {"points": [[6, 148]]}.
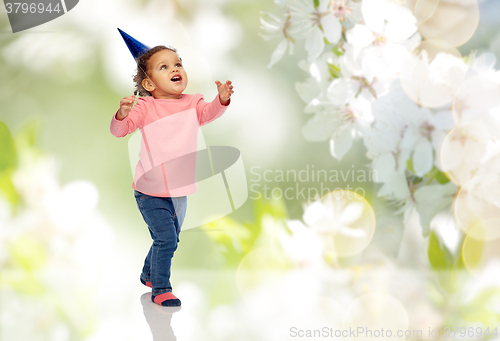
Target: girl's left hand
{"points": [[225, 91]]}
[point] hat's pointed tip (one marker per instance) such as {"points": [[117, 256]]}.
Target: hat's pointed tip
{"points": [[136, 47], [123, 34]]}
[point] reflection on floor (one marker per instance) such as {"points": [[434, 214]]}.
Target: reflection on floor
{"points": [[159, 318], [276, 304]]}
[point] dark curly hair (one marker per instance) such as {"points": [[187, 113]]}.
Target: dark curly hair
{"points": [[142, 62]]}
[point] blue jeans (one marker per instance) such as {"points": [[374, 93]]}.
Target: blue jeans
{"points": [[164, 217]]}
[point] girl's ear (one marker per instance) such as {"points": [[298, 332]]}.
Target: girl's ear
{"points": [[147, 84]]}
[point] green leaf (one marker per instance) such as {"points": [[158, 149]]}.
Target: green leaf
{"points": [[439, 256], [316, 3], [337, 51], [27, 253], [448, 280], [230, 236], [8, 164], [474, 251], [435, 173], [409, 165], [475, 310], [430, 200], [8, 156], [460, 256], [7, 187], [334, 70], [234, 239], [29, 285], [442, 262], [27, 134], [441, 177]]}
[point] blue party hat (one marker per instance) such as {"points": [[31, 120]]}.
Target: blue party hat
{"points": [[136, 47]]}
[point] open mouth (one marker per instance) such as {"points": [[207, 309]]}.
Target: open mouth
{"points": [[176, 78]]}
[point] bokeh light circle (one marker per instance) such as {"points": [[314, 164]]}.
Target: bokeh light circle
{"points": [[478, 252], [374, 311], [477, 207], [475, 97], [461, 152], [452, 21], [259, 266], [433, 82], [350, 224], [424, 10]]}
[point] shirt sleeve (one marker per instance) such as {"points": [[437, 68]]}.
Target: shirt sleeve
{"points": [[133, 121], [209, 111]]}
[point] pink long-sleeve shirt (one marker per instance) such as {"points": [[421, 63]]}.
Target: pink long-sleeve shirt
{"points": [[169, 128]]}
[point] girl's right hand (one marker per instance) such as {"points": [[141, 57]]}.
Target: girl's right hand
{"points": [[126, 105]]}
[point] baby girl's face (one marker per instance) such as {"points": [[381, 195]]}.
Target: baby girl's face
{"points": [[166, 71]]}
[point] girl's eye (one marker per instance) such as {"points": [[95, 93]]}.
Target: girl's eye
{"points": [[178, 64], [163, 66]]}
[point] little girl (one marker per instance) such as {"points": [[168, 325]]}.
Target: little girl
{"points": [[166, 172]]}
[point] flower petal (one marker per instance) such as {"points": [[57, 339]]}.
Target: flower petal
{"points": [[307, 90], [351, 213], [443, 120], [383, 167], [319, 128], [396, 186], [278, 53], [431, 199], [373, 13], [303, 245], [353, 233], [401, 23], [360, 36], [331, 28], [422, 157], [341, 144], [314, 44], [338, 91], [384, 62], [314, 213]]}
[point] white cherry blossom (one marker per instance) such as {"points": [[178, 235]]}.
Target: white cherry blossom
{"points": [[314, 24], [274, 27], [369, 85], [425, 134], [479, 95], [433, 84], [303, 245], [428, 200], [334, 219], [347, 10], [357, 81], [356, 120], [387, 24]]}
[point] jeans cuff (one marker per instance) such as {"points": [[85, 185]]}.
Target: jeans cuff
{"points": [[161, 291]]}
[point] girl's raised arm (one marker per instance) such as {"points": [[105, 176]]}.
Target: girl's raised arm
{"points": [[126, 120]]}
